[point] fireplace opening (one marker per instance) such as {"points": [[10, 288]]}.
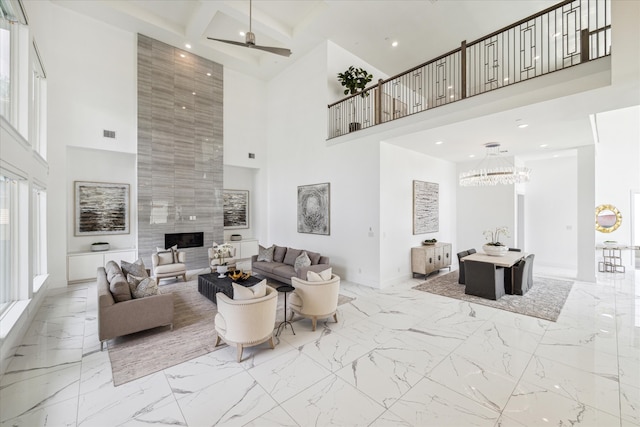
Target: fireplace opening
{"points": [[184, 240]]}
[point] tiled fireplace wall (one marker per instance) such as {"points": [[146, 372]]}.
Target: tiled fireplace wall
{"points": [[180, 141]]}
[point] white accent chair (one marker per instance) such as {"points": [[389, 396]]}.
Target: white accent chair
{"points": [[229, 253], [246, 323], [315, 300], [163, 269]]}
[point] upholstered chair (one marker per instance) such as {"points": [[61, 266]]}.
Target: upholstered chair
{"points": [[461, 266], [247, 322], [471, 251], [484, 279], [166, 264], [315, 300], [228, 258]]}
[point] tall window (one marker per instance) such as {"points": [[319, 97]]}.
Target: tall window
{"points": [[5, 69], [8, 227], [38, 137], [39, 253]]}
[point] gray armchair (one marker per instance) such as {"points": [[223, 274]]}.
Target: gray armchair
{"points": [[484, 279]]}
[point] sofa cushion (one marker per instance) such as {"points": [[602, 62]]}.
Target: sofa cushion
{"points": [[322, 276], [292, 254], [279, 253], [256, 291], [135, 268], [142, 287], [314, 257], [265, 254], [285, 271], [267, 267], [119, 288], [112, 269], [302, 261], [167, 256], [170, 268]]}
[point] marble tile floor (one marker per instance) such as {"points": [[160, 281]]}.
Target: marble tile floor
{"points": [[397, 357]]}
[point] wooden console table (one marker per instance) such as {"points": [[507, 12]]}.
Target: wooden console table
{"points": [[426, 259]]}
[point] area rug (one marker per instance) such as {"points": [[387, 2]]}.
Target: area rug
{"points": [[137, 355], [544, 300]]}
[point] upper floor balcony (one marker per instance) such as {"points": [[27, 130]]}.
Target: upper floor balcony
{"points": [[570, 33]]}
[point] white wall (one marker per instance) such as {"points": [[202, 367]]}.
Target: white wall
{"points": [[483, 208], [551, 211], [618, 169], [398, 169]]}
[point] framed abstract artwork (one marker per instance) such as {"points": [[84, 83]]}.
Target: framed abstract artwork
{"points": [[235, 209], [313, 209], [425, 207], [101, 208]]}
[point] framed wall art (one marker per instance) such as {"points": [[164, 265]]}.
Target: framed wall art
{"points": [[235, 209], [101, 208], [426, 207], [313, 209]]}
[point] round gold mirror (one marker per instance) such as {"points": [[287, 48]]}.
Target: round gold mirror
{"points": [[608, 218]]}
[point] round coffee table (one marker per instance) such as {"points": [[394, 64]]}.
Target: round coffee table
{"points": [[283, 325]]}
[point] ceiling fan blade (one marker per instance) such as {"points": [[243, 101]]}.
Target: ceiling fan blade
{"points": [[276, 50], [229, 41]]}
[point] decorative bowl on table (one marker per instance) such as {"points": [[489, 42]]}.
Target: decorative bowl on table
{"points": [[429, 242], [610, 243], [239, 276], [494, 250]]}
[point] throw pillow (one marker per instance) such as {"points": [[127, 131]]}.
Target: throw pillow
{"points": [[113, 269], [322, 276], [120, 288], [135, 268], [142, 287], [302, 261], [314, 257], [243, 293], [279, 253], [292, 254], [265, 254], [167, 256]]}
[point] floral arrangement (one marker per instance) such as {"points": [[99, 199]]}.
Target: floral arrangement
{"points": [[493, 236], [222, 251]]}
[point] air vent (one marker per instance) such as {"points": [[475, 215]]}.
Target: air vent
{"points": [[109, 134]]}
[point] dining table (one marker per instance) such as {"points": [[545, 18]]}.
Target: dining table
{"points": [[507, 260]]}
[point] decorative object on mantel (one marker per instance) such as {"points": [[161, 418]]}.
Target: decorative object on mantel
{"points": [[494, 169], [426, 206], [495, 247], [99, 246]]}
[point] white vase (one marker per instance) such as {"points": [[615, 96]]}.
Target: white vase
{"points": [[495, 250], [222, 269]]}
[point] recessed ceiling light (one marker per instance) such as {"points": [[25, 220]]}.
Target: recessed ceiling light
{"points": [[472, 155], [439, 142], [536, 58], [555, 156], [451, 96], [193, 93], [184, 108], [187, 45], [544, 145], [394, 44], [506, 79], [557, 35], [449, 87], [182, 55], [242, 33], [209, 74], [523, 125]]}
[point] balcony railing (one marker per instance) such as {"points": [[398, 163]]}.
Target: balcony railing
{"points": [[567, 34]]}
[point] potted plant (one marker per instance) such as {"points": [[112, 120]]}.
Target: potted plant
{"points": [[355, 81], [495, 247]]}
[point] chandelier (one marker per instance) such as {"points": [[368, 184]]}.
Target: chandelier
{"points": [[494, 169]]}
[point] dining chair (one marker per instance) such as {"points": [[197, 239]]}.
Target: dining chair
{"points": [[515, 250], [484, 279], [461, 266], [471, 251]]}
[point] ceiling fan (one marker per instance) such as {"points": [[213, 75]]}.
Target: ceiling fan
{"points": [[250, 41]]}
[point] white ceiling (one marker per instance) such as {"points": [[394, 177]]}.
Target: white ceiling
{"points": [[423, 29]]}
